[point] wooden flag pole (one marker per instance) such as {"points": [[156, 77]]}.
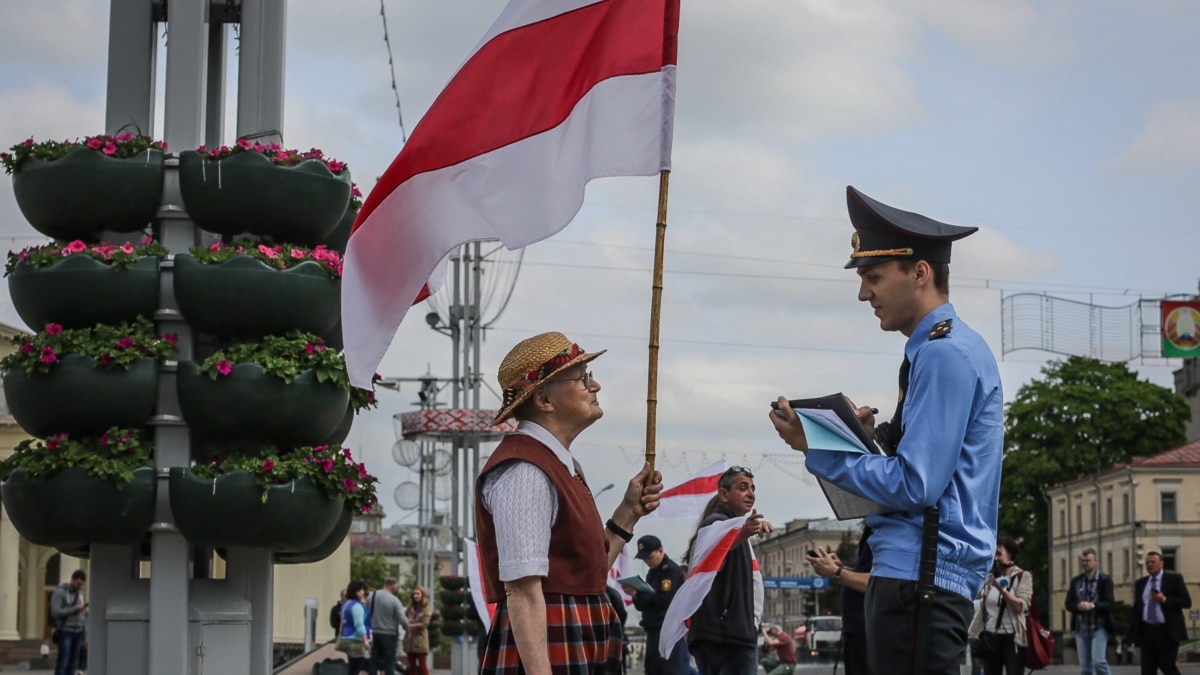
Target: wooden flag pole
{"points": [[660, 238]]}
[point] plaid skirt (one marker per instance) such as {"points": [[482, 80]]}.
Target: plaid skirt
{"points": [[583, 636]]}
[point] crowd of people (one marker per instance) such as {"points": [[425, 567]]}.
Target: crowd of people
{"points": [[370, 625]]}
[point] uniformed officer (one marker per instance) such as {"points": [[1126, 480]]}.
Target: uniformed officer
{"points": [[943, 444], [664, 577]]}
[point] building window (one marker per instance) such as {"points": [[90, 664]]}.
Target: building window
{"points": [[1108, 511], [1168, 556], [1125, 507], [1095, 516], [1078, 516], [1062, 568], [1062, 522], [1169, 512], [1108, 562], [1125, 561]]}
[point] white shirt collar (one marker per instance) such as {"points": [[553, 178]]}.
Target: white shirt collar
{"points": [[539, 434]]}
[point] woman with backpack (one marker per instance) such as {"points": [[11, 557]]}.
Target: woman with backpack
{"points": [[999, 623]]}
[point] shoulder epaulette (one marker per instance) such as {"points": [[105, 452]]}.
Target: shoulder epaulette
{"points": [[941, 329]]}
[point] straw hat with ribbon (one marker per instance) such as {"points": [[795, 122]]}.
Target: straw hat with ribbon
{"points": [[534, 362]]}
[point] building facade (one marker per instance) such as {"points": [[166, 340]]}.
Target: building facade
{"points": [[1149, 504], [781, 554]]}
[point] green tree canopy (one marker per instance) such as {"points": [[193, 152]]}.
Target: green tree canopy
{"points": [[1080, 418], [372, 568]]}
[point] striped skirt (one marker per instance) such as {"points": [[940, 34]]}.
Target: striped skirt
{"points": [[583, 636]]}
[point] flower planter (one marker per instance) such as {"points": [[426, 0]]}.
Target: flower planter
{"points": [[336, 240], [86, 192], [75, 509], [77, 398], [81, 291], [244, 297], [342, 431], [332, 542], [249, 405], [226, 511], [249, 193]]}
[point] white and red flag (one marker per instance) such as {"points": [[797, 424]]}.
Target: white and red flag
{"points": [[557, 93], [713, 544], [622, 568], [688, 499], [483, 608]]}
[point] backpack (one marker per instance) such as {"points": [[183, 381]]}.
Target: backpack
{"points": [[1039, 642]]}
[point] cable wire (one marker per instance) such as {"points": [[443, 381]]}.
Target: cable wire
{"points": [[392, 68]]}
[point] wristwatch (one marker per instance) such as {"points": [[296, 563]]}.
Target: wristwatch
{"points": [[838, 573]]}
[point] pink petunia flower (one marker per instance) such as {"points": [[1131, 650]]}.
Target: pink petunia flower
{"points": [[170, 337], [350, 484], [224, 367], [309, 348], [268, 251], [48, 355], [77, 246], [104, 438], [53, 329], [125, 343], [27, 347], [268, 465], [244, 144], [127, 136], [106, 359], [127, 248], [110, 148], [362, 470], [94, 143], [297, 254]]}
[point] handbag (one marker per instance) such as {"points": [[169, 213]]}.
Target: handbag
{"points": [[1039, 649], [987, 645]]}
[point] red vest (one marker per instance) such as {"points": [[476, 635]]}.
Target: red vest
{"points": [[578, 543]]}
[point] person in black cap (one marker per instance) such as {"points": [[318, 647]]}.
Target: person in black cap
{"points": [[942, 446], [664, 578]]}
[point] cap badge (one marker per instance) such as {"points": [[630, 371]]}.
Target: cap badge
{"points": [[855, 242]]}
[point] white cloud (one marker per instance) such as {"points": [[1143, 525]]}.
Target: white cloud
{"points": [[1169, 140]]}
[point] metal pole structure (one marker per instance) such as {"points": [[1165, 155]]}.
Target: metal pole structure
{"points": [[260, 70]]}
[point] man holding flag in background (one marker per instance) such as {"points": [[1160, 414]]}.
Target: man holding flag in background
{"points": [[723, 593]]}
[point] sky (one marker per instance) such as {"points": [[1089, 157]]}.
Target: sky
{"points": [[1067, 131]]}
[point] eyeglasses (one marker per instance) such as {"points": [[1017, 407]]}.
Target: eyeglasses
{"points": [[586, 378]]}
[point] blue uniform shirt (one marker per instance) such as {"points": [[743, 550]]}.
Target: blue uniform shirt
{"points": [[949, 455]]}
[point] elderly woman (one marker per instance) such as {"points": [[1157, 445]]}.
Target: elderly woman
{"points": [[545, 551], [999, 623]]}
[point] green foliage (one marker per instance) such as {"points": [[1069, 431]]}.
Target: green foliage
{"points": [[286, 357], [121, 145], [112, 456], [1080, 418], [110, 346], [330, 467], [372, 568], [1121, 613], [118, 256], [280, 256]]}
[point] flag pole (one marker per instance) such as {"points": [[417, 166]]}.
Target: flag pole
{"points": [[655, 310]]}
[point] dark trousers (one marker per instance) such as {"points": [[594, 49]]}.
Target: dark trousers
{"points": [[891, 606], [680, 662], [720, 659], [1011, 661], [68, 652], [383, 653], [854, 654], [1159, 651]]}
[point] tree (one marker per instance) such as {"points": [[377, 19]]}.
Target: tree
{"points": [[1081, 418], [372, 568]]}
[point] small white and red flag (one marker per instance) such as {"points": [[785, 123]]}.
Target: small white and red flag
{"points": [[713, 544], [483, 608], [622, 568], [557, 93], [688, 499]]}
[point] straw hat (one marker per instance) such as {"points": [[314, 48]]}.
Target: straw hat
{"points": [[533, 363]]}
